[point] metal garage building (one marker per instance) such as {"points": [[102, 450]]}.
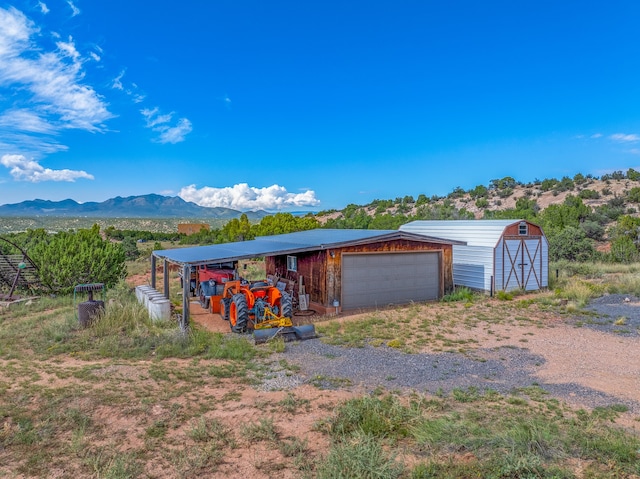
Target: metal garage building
{"points": [[498, 255], [351, 268]]}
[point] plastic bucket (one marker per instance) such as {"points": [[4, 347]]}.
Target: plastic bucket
{"points": [[160, 309]]}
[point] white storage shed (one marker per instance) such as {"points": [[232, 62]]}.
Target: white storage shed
{"points": [[500, 255]]}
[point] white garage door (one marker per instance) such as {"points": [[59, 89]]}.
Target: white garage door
{"points": [[379, 279]]}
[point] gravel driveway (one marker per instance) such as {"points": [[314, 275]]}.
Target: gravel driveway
{"points": [[615, 313], [502, 369]]}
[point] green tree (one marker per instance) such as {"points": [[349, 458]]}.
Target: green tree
{"points": [[281, 223], [482, 203], [579, 178], [506, 183], [130, 248], [237, 229], [479, 191], [589, 194], [633, 175], [456, 193], [624, 250], [634, 194], [571, 243], [571, 213], [69, 258], [548, 184], [422, 200]]}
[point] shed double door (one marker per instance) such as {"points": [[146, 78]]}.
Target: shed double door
{"points": [[522, 264], [379, 279]]}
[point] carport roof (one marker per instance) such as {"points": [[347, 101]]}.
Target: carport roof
{"points": [[291, 243]]}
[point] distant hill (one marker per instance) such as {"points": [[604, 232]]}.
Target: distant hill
{"points": [[618, 193], [145, 206]]}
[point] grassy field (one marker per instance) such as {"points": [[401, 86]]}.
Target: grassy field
{"points": [[128, 398]]}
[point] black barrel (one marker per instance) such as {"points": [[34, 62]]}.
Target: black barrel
{"points": [[88, 311]]}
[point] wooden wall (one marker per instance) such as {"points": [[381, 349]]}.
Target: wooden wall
{"points": [[322, 269]]}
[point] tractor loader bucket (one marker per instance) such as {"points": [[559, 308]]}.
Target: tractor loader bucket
{"points": [[289, 333]]}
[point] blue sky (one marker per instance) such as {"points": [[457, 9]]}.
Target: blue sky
{"points": [[289, 105]]}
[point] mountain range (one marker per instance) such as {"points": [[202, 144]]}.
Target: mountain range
{"points": [[144, 206]]}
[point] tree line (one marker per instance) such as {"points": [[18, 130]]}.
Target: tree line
{"points": [[573, 229]]}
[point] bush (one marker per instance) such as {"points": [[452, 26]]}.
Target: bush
{"points": [[69, 258], [482, 203], [624, 250], [589, 195], [460, 294], [571, 244]]}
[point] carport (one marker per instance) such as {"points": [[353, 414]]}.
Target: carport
{"points": [[361, 268]]}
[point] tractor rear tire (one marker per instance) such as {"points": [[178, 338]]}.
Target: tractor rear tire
{"points": [[225, 304], [238, 313], [286, 306], [202, 299]]}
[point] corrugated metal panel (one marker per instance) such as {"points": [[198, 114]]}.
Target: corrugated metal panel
{"points": [[474, 232], [545, 262], [380, 279], [473, 266], [499, 266], [337, 237], [286, 244], [321, 236], [219, 253]]}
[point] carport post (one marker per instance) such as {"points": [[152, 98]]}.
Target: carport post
{"points": [[165, 278], [184, 322], [153, 271]]}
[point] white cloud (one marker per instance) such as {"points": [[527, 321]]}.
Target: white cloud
{"points": [[74, 10], [43, 7], [48, 97], [24, 169], [176, 134], [116, 84], [69, 49], [161, 123], [624, 138], [596, 135], [25, 120], [245, 197], [51, 82]]}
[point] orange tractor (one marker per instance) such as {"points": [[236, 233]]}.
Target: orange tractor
{"points": [[262, 308]]}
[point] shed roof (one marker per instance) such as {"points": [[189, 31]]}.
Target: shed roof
{"points": [[290, 243], [473, 232]]}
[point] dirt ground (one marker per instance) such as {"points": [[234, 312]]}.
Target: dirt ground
{"points": [[600, 361], [604, 362]]}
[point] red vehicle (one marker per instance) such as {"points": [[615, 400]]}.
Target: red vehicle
{"points": [[211, 279]]}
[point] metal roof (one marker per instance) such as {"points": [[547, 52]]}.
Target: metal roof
{"points": [[473, 232], [290, 243]]}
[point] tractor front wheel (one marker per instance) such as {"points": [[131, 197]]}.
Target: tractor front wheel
{"points": [[286, 306], [225, 303], [238, 313]]}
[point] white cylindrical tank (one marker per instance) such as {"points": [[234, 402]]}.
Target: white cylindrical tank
{"points": [[160, 309]]}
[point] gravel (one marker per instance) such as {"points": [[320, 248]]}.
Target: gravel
{"points": [[614, 313], [502, 369]]}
